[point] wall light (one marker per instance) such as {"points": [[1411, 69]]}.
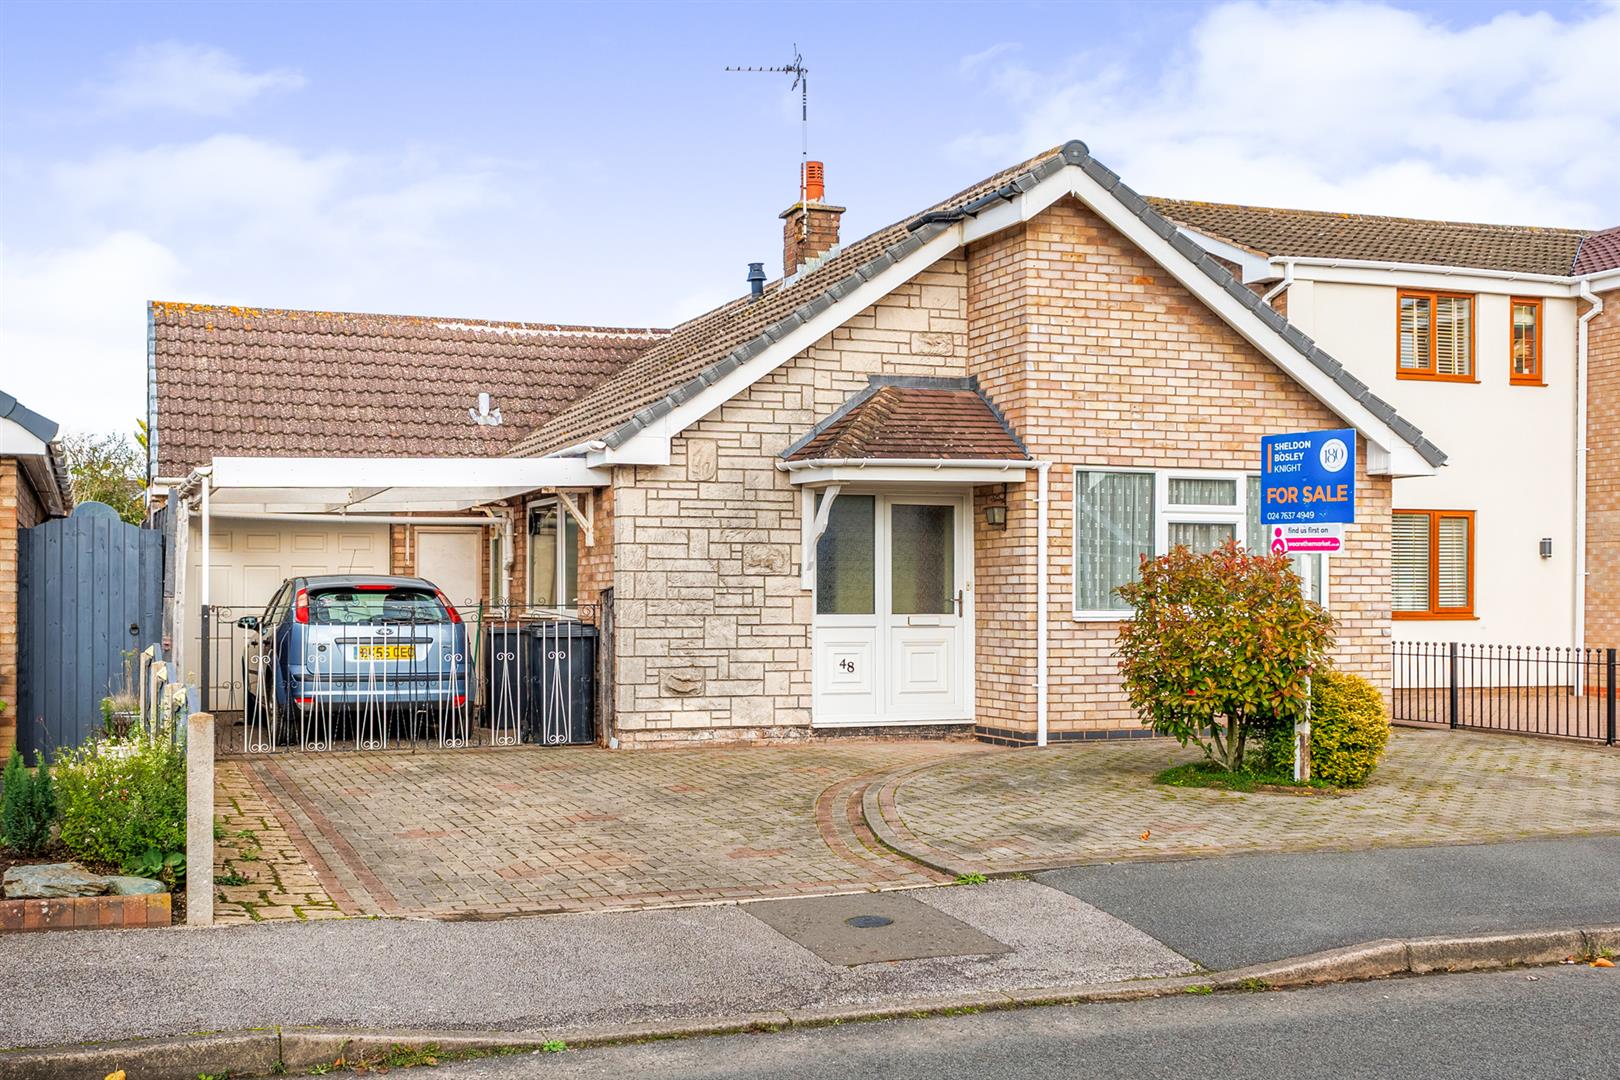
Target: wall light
{"points": [[996, 516], [1546, 547]]}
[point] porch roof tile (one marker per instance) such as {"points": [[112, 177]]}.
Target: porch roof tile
{"points": [[910, 419]]}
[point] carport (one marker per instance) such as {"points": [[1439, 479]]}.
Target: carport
{"points": [[355, 500]]}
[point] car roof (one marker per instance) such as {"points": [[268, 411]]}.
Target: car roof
{"points": [[339, 580]]}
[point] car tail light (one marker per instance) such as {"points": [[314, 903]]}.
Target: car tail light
{"points": [[305, 700], [460, 700], [450, 609], [374, 588], [301, 606]]}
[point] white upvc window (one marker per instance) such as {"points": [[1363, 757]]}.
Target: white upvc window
{"points": [[1122, 514], [552, 580]]}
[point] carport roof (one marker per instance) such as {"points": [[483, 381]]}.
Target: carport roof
{"points": [[356, 487]]}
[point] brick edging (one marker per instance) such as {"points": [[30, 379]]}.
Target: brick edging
{"points": [[892, 832], [87, 913]]}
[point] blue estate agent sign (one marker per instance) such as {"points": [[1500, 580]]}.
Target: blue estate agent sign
{"points": [[1308, 478]]}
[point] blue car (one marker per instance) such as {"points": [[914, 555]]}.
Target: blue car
{"points": [[374, 650]]}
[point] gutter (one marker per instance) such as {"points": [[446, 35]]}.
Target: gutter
{"points": [[1596, 308], [1007, 464], [1281, 286], [1426, 268]]}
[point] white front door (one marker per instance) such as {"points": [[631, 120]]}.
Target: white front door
{"points": [[892, 602], [449, 559]]}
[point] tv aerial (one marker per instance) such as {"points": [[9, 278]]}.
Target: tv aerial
{"points": [[801, 83]]}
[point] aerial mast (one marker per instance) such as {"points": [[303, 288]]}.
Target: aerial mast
{"points": [[801, 83]]}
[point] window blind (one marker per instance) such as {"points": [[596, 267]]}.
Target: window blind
{"points": [[1452, 559], [1415, 316], [1453, 337], [1411, 562]]}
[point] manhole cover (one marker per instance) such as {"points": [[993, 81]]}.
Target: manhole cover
{"points": [[866, 922]]}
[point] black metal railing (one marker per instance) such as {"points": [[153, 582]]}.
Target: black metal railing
{"points": [[524, 676], [1520, 689]]}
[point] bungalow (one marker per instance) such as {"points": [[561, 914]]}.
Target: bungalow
{"points": [[894, 488]]}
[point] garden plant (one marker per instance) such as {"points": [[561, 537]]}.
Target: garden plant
{"points": [[1221, 648]]}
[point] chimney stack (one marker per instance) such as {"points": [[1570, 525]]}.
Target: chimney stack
{"points": [[809, 228]]}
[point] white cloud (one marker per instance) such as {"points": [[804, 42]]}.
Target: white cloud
{"points": [[71, 327], [186, 77], [235, 219], [1346, 106]]}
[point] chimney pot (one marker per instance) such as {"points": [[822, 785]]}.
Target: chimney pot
{"points": [[815, 181], [810, 227]]}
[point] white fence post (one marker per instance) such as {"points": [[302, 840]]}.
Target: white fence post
{"points": [[200, 819]]}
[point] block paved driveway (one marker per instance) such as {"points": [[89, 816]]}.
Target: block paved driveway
{"points": [[1027, 810], [463, 833]]}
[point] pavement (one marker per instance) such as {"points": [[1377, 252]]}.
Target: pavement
{"points": [[1248, 909], [1554, 1023], [531, 975]]}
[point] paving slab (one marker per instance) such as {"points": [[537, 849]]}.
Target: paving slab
{"points": [[1247, 909], [1028, 810], [873, 928]]}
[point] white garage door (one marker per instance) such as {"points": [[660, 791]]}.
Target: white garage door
{"points": [[249, 559]]}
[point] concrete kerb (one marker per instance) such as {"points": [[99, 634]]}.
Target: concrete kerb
{"points": [[294, 1049]]}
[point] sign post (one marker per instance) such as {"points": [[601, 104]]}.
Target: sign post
{"points": [[1307, 497]]}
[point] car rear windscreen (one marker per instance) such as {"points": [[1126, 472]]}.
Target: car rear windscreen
{"points": [[367, 607]]}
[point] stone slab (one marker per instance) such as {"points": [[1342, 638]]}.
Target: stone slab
{"points": [[913, 930]]}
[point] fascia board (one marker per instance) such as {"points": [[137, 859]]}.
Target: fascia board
{"points": [[1439, 278], [788, 345], [1254, 267]]}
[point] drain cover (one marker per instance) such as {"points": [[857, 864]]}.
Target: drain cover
{"points": [[866, 922], [872, 928]]}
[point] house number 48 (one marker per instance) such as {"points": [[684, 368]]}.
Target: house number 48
{"points": [[847, 665]]}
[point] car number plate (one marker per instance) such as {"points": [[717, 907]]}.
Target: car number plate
{"points": [[385, 652]]}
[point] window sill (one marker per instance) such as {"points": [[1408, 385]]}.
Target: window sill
{"points": [[1526, 382], [1435, 616], [1424, 376], [1103, 616]]}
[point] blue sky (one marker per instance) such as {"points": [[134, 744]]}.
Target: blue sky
{"points": [[595, 164]]}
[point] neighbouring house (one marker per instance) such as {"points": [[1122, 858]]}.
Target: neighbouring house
{"points": [[894, 488], [34, 487], [1499, 338]]}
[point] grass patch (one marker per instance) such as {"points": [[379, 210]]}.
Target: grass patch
{"points": [[970, 879], [1207, 774], [1199, 990]]}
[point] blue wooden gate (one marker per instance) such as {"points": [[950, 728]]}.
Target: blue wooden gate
{"points": [[90, 596]]}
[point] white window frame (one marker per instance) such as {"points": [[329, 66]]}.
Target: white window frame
{"points": [[561, 555], [1165, 514]]}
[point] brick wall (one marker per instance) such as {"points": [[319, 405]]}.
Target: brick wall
{"points": [[1094, 354], [1125, 367], [713, 627], [20, 508], [1603, 476], [11, 496]]}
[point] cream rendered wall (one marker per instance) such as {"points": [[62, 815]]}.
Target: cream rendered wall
{"points": [[1511, 451]]}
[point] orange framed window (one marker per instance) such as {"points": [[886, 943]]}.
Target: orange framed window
{"points": [[1524, 345], [1432, 564], [1434, 333]]}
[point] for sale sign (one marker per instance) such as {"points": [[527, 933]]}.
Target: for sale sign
{"points": [[1307, 489]]}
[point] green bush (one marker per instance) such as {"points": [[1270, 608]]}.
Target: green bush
{"points": [[123, 798], [1349, 728], [27, 806], [1220, 645]]}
